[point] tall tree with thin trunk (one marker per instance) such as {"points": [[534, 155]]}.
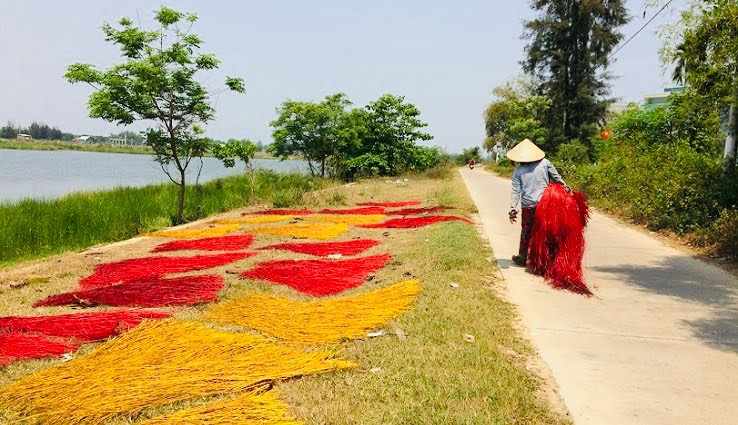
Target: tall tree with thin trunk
{"points": [[569, 44], [157, 83]]}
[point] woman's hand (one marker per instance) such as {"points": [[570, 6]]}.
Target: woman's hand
{"points": [[513, 216]]}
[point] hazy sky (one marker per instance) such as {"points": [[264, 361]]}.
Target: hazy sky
{"points": [[444, 56]]}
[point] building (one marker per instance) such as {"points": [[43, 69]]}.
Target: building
{"points": [[118, 141], [82, 139], [23, 136], [661, 98]]}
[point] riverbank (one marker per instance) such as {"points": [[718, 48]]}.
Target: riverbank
{"points": [[38, 228], [61, 145]]}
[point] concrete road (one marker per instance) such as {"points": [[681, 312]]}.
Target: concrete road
{"points": [[659, 344]]}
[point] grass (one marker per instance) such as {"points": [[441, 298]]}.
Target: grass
{"points": [[503, 170], [38, 228], [434, 376]]}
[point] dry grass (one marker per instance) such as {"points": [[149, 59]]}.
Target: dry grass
{"points": [[432, 377]]}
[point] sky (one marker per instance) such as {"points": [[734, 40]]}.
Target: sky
{"points": [[443, 56]]}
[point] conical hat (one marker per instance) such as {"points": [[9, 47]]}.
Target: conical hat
{"points": [[526, 151]]}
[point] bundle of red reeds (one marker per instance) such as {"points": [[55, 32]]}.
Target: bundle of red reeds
{"points": [[410, 222], [351, 247], [281, 211], [362, 210], [418, 211], [16, 346], [150, 292], [557, 241], [389, 204], [218, 243]]}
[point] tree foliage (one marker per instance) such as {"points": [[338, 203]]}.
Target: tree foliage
{"points": [[568, 54], [157, 83], [516, 114]]}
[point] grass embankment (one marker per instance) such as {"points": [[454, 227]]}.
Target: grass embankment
{"points": [[503, 170], [433, 376], [61, 145], [38, 228]]}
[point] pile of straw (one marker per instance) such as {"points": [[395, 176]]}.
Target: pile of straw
{"points": [[390, 204], [155, 364], [151, 292], [351, 247], [361, 210], [305, 230], [319, 277], [251, 407], [255, 219], [142, 268], [348, 218], [318, 322], [412, 222], [219, 243], [199, 232]]}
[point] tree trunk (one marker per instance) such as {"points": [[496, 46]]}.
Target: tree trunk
{"points": [[180, 204], [729, 153], [322, 167]]}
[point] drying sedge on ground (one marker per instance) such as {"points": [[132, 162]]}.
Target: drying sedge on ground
{"points": [[220, 243], [319, 277], [361, 210], [155, 364], [251, 407], [15, 346], [418, 211], [390, 204], [281, 211], [149, 292], [553, 219], [305, 230], [350, 247], [255, 219], [199, 232], [317, 322], [348, 218], [411, 222], [141, 268]]}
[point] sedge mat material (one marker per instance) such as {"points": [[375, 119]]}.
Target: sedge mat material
{"points": [[412, 222], [218, 243], [16, 346], [361, 210], [305, 230], [557, 240], [319, 277], [390, 204], [281, 211], [419, 211], [198, 232], [155, 364], [147, 267], [249, 408], [317, 322], [150, 292], [82, 327], [255, 219], [347, 218], [351, 247]]}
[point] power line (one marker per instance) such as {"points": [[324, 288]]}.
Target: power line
{"points": [[639, 30]]}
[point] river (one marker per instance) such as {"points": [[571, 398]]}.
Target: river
{"points": [[53, 174]]}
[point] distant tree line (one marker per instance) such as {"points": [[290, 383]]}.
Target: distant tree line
{"points": [[36, 130]]}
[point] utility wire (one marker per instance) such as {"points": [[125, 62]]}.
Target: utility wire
{"points": [[639, 30]]}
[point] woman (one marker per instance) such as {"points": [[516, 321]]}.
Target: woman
{"points": [[530, 179]]}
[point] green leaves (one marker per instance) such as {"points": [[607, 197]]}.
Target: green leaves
{"points": [[234, 149], [236, 84]]}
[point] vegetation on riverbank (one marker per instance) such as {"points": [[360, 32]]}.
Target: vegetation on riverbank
{"points": [[38, 228]]}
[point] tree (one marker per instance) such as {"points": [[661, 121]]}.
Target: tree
{"points": [[706, 60], [517, 114], [157, 83], [237, 149], [568, 54], [316, 131], [388, 129]]}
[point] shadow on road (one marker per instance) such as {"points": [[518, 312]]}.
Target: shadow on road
{"points": [[682, 278]]}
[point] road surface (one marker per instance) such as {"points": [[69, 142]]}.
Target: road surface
{"points": [[658, 344]]}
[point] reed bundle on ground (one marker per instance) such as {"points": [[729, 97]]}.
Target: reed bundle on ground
{"points": [[249, 408], [16, 346], [82, 327], [419, 211], [360, 210], [255, 219], [219, 243], [155, 364], [390, 204], [305, 230], [411, 222], [147, 267], [197, 232], [281, 211], [351, 247], [348, 218], [150, 292], [318, 322], [319, 277], [557, 241]]}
